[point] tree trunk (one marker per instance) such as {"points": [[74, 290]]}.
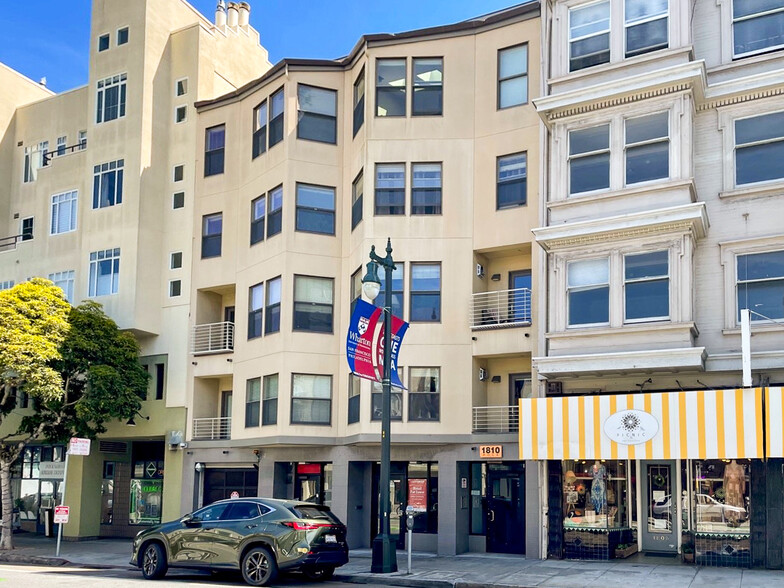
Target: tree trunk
{"points": [[6, 539]]}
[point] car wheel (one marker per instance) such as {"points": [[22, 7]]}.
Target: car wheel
{"points": [[259, 567], [154, 564], [319, 573]]}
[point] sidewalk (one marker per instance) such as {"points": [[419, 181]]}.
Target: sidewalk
{"points": [[429, 571]]}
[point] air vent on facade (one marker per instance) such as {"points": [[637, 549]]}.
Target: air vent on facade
{"points": [[113, 447], [554, 388]]}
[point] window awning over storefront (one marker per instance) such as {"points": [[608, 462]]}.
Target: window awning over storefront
{"points": [[703, 424]]}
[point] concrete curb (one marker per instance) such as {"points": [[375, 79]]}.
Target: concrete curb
{"points": [[396, 580], [22, 559]]}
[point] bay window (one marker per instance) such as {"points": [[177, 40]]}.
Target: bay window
{"points": [[757, 26], [588, 292], [317, 117], [759, 148], [645, 23], [589, 159], [589, 35], [428, 91], [391, 87], [647, 286], [647, 148], [760, 285]]}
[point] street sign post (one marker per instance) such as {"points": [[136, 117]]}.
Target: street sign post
{"points": [[77, 446]]}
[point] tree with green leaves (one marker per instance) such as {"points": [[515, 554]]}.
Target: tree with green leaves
{"points": [[99, 379]]}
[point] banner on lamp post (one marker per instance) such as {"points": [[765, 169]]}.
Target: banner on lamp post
{"points": [[365, 343]]}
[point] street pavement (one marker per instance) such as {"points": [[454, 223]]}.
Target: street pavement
{"points": [[110, 558]]}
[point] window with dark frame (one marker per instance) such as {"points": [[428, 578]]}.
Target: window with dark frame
{"points": [[272, 307], [424, 394], [511, 181], [397, 289], [425, 188], [315, 209], [356, 288], [259, 130], [425, 292], [160, 380], [757, 27], [275, 214], [646, 286], [589, 35], [211, 235], [376, 394], [354, 388], [27, 228], [108, 183], [428, 86], [258, 210], [390, 193], [357, 192], [110, 100], [317, 117], [269, 402], [275, 131], [313, 304], [214, 150], [252, 402], [759, 148], [513, 76], [311, 399], [255, 310], [391, 87], [359, 102], [645, 24]]}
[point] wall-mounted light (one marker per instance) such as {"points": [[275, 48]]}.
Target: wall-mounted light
{"points": [[496, 277], [496, 379]]}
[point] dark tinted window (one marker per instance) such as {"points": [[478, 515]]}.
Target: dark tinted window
{"points": [[241, 511], [211, 513], [317, 512]]}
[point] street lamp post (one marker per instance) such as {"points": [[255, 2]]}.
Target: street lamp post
{"points": [[384, 553]]}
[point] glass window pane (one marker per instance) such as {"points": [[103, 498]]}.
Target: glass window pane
{"points": [[647, 36], [647, 128], [425, 277], [428, 72], [390, 176], [315, 290], [760, 266], [514, 91], [648, 299], [256, 298], [589, 306], [512, 167], [741, 8], [591, 139], [588, 272], [317, 100], [391, 72], [589, 20], [646, 265], [513, 61], [277, 103], [635, 10], [759, 128], [648, 162], [273, 291], [589, 173], [311, 386], [270, 387], [253, 393], [426, 175], [765, 298], [315, 197]]}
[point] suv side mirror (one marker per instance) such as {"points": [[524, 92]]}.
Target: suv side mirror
{"points": [[190, 521]]}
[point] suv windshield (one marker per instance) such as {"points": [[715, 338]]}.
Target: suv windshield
{"points": [[305, 511]]}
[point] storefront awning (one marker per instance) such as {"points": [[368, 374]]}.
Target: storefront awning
{"points": [[703, 424], [774, 422]]}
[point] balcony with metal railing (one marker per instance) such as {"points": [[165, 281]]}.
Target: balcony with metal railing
{"points": [[500, 309], [212, 338], [496, 419], [210, 429], [61, 150], [9, 243]]}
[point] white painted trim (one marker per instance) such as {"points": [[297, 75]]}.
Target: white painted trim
{"points": [[689, 358]]}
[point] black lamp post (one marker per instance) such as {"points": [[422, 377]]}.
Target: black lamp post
{"points": [[384, 553]]}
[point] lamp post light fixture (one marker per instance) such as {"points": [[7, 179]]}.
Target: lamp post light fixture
{"points": [[384, 553]]}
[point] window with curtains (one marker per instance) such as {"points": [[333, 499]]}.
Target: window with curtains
{"points": [[589, 35], [424, 394], [315, 209], [255, 310], [108, 183], [397, 289], [104, 272], [588, 292], [511, 181], [428, 86], [425, 292], [359, 101], [354, 387], [214, 150], [391, 87], [269, 401], [272, 307], [211, 235], [390, 189], [757, 26], [317, 119], [275, 211], [313, 304], [311, 399], [760, 285], [110, 100], [513, 76], [376, 394], [357, 189], [277, 102], [759, 148], [258, 210], [426, 188], [64, 208], [259, 130], [645, 26], [356, 288], [252, 402], [65, 281], [646, 286]]}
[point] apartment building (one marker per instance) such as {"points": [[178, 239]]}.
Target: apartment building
{"points": [[97, 194], [662, 223], [428, 138]]}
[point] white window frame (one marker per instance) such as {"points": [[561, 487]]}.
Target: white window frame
{"points": [[117, 36], [119, 167], [171, 260], [21, 228], [779, 139], [171, 286], [586, 288], [69, 278], [627, 281], [55, 211], [185, 111], [607, 31], [627, 26], [94, 260], [733, 20], [626, 146], [119, 80], [33, 160], [82, 140], [177, 87], [174, 173], [61, 141]]}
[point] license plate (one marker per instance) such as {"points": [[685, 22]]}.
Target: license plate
{"points": [[330, 539]]}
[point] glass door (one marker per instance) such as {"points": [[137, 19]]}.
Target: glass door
{"points": [[520, 296], [659, 506]]}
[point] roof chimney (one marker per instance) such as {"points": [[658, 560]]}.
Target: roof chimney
{"points": [[244, 8], [220, 14], [233, 15]]}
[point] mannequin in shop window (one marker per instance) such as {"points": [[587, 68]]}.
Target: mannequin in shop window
{"points": [[598, 487], [734, 491]]}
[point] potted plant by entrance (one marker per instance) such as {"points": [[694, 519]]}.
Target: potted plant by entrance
{"points": [[624, 550], [687, 552]]}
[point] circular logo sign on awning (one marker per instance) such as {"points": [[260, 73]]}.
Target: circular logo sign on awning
{"points": [[631, 427]]}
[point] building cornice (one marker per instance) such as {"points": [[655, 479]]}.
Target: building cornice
{"points": [[688, 218], [743, 89], [623, 362]]}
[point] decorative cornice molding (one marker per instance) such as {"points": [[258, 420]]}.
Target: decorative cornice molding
{"points": [[740, 99], [634, 233], [618, 101]]}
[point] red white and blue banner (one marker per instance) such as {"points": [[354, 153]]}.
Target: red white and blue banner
{"points": [[365, 343]]}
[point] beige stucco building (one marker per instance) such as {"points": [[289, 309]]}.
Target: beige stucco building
{"points": [[428, 138], [97, 194]]}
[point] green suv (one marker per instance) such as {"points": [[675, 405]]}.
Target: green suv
{"points": [[258, 536]]}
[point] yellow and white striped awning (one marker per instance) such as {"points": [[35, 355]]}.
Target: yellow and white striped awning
{"points": [[703, 424], [774, 419]]}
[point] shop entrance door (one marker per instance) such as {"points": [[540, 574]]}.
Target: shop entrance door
{"points": [[505, 504], [397, 496], [659, 506]]}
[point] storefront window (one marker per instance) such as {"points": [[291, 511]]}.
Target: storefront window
{"points": [[423, 496], [721, 500], [595, 494], [145, 505], [107, 493], [477, 504]]}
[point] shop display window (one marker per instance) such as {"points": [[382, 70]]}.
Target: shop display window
{"points": [[595, 494], [721, 501]]}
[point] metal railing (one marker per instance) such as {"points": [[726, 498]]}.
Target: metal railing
{"points": [[9, 243], [496, 419], [503, 308], [213, 338], [212, 428], [60, 151]]}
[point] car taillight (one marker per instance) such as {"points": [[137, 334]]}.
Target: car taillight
{"points": [[305, 526]]}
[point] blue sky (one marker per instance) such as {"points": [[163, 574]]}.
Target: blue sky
{"points": [[50, 38]]}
